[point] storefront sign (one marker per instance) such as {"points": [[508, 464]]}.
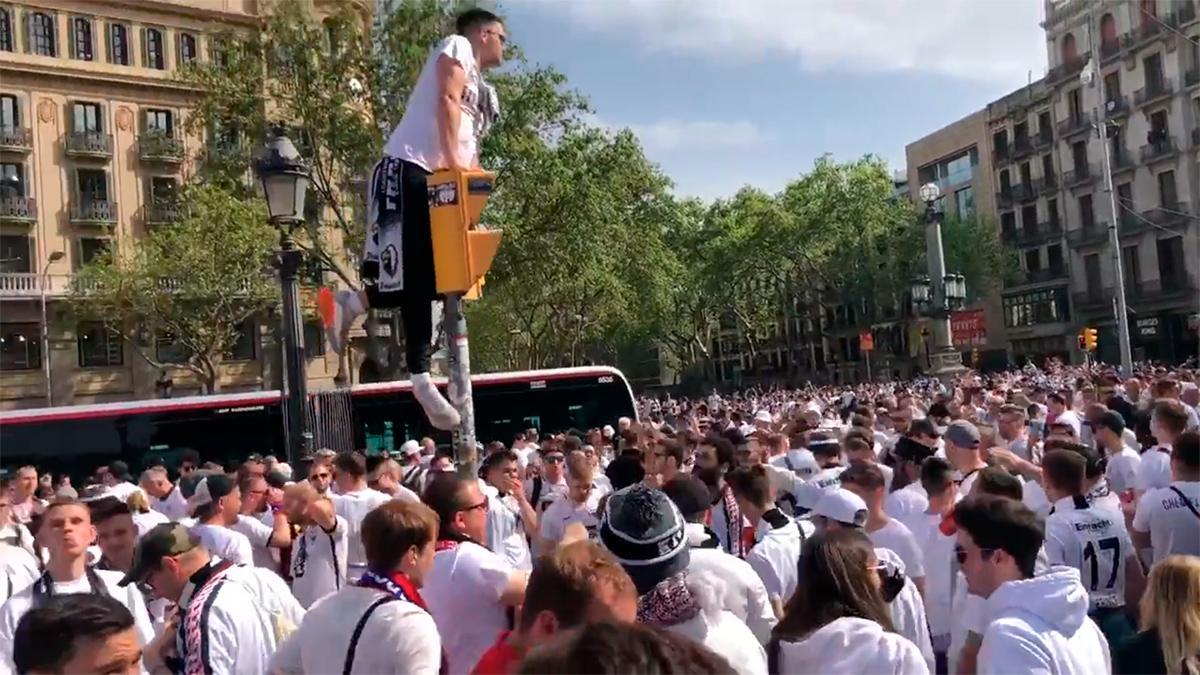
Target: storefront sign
{"points": [[968, 328], [1147, 328]]}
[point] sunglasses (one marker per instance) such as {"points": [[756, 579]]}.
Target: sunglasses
{"points": [[960, 554], [554, 459], [481, 506]]}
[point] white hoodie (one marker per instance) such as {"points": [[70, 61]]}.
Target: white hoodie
{"points": [[851, 645], [719, 630], [1040, 625]]}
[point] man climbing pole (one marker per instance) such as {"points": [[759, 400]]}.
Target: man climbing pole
{"points": [[449, 111]]}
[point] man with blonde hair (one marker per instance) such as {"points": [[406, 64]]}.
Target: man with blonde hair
{"points": [[319, 549], [580, 505], [165, 496]]}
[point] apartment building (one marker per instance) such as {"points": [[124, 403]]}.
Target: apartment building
{"points": [[1132, 67], [1036, 305], [92, 150], [958, 159]]}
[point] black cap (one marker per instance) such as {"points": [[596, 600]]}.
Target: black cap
{"points": [[923, 426], [913, 451], [161, 541], [1111, 420]]}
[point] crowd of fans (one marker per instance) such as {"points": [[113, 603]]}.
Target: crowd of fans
{"points": [[1029, 521]]}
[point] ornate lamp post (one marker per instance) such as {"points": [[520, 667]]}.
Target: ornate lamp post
{"points": [[938, 294], [284, 179]]}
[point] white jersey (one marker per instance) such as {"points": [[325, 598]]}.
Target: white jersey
{"points": [[1174, 528], [1122, 469], [908, 505], [1154, 471], [173, 506], [416, 138], [354, 506], [506, 531], [225, 543], [319, 561], [18, 569], [1093, 540], [258, 529], [776, 554], [896, 537], [463, 592], [811, 491], [565, 511]]}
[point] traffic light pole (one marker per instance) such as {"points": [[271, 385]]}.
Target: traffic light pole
{"points": [[458, 358]]}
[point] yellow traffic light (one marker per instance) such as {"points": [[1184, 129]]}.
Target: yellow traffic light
{"points": [[462, 253], [1090, 336]]}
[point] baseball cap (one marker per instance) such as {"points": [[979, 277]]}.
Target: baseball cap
{"points": [[1068, 419], [410, 448], [842, 506], [912, 451], [161, 541], [963, 434], [210, 489], [763, 416], [924, 426]]}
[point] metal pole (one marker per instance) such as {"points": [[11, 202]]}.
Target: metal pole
{"points": [[458, 361], [868, 353], [294, 386], [947, 362], [46, 336]]}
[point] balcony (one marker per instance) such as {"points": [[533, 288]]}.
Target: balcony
{"points": [[1068, 68], [1095, 299], [89, 144], [1195, 138], [1109, 48], [1166, 216], [160, 147], [1116, 107], [1038, 277], [1039, 233], [18, 210], [1022, 147], [1004, 198], [1191, 77], [1183, 287], [161, 212], [1184, 14], [30, 284], [94, 212], [1079, 175], [1162, 148], [1001, 153], [1153, 92], [1089, 235], [1073, 125], [16, 139], [1045, 185], [1043, 139], [1023, 192], [1121, 160]]}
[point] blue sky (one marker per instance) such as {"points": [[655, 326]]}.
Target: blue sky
{"points": [[725, 93]]}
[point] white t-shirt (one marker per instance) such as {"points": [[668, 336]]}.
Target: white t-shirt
{"points": [[776, 555], [319, 562], [122, 490], [744, 595], [506, 531], [146, 521], [1094, 541], [225, 543], [399, 638], [16, 606], [416, 139], [897, 538], [259, 534], [565, 511], [907, 505], [1172, 526], [354, 506], [463, 592], [937, 552], [173, 506], [811, 491], [1154, 471], [550, 491], [1122, 469], [799, 461], [18, 569]]}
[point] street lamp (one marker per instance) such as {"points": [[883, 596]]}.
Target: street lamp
{"points": [[939, 293], [284, 177], [54, 257]]}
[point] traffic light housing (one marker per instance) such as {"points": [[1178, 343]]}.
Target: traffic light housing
{"points": [[1089, 337], [462, 252]]}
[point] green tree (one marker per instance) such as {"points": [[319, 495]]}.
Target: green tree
{"points": [[973, 248], [193, 282]]}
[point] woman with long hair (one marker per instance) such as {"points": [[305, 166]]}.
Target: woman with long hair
{"points": [[837, 620], [1169, 641]]}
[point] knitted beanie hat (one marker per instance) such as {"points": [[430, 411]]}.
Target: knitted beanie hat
{"points": [[644, 530]]}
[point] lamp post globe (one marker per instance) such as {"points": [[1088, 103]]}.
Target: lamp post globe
{"points": [[284, 177], [929, 193]]}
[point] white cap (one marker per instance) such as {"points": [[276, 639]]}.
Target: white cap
{"points": [[410, 448], [284, 469], [763, 416], [607, 431], [843, 506], [1070, 419]]}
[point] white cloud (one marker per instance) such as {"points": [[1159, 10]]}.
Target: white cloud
{"points": [[670, 134], [988, 41]]}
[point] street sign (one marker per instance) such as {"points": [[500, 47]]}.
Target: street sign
{"points": [[866, 341]]}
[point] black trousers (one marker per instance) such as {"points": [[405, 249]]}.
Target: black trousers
{"points": [[416, 256]]}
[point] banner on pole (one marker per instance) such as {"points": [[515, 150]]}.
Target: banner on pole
{"points": [[866, 341], [968, 328]]}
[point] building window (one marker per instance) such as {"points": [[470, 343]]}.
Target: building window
{"points": [[1036, 307], [1091, 273], [1075, 105], [245, 346], [314, 340], [15, 254], [20, 346], [187, 48], [964, 202], [1167, 197], [1132, 268], [1108, 31], [7, 43], [87, 118], [92, 185], [90, 248], [99, 346], [155, 55], [1033, 260], [1171, 268], [1029, 219], [1052, 214], [1087, 217], [163, 189], [80, 38], [169, 350], [160, 121], [1054, 258], [118, 44], [1069, 51], [1079, 157], [43, 39], [13, 174]]}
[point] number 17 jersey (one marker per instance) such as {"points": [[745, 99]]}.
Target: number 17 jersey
{"points": [[1093, 540]]}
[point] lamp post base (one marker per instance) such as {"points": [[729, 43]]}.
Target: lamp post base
{"points": [[947, 364]]}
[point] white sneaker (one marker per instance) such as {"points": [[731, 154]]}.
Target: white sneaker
{"points": [[439, 411], [336, 317]]}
